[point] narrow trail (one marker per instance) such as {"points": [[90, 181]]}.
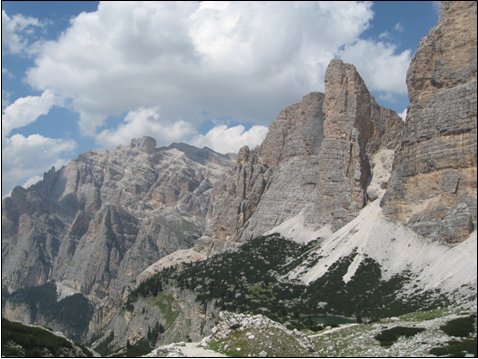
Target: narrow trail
{"points": [[194, 350], [332, 330]]}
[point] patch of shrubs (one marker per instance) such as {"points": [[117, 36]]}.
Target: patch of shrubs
{"points": [[460, 327], [456, 349], [390, 336]]}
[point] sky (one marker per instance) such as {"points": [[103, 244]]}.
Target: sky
{"points": [[84, 75]]}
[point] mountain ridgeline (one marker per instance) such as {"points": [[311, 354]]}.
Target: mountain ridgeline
{"points": [[345, 213]]}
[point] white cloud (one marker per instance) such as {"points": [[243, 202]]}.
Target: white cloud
{"points": [[225, 139], [398, 27], [26, 157], [382, 68], [145, 121], [26, 110], [403, 114], [6, 72], [15, 32], [31, 181], [245, 60]]}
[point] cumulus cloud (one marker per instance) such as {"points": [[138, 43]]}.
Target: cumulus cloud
{"points": [[244, 60], [15, 31], [26, 110], [145, 121], [225, 139], [398, 27], [26, 157], [380, 65]]}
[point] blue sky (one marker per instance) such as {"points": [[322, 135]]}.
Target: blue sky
{"points": [[78, 76]]}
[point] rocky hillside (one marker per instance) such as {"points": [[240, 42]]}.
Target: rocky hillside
{"points": [[433, 183], [20, 340], [96, 223], [318, 157], [328, 174], [344, 214], [316, 160]]}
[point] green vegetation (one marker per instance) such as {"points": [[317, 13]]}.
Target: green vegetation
{"points": [[140, 348], [26, 341], [167, 305], [390, 336], [151, 287], [460, 327], [456, 349], [345, 342], [423, 315], [103, 346], [153, 334], [247, 281], [137, 349], [273, 341]]}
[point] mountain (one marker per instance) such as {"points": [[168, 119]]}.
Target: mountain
{"points": [[95, 224], [316, 160], [344, 216], [433, 183]]}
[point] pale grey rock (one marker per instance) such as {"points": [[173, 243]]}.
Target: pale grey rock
{"points": [[193, 322], [267, 185], [146, 144], [98, 222], [237, 322], [433, 184], [315, 160], [355, 128]]}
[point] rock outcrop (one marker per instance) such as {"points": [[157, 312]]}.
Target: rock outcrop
{"points": [[355, 128], [433, 184], [236, 322], [28, 341], [274, 181], [98, 222], [315, 161]]}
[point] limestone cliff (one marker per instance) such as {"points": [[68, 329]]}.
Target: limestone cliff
{"points": [[355, 128], [433, 183], [315, 161], [274, 181], [96, 223]]}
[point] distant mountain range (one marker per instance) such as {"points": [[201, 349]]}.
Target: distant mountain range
{"points": [[344, 214]]}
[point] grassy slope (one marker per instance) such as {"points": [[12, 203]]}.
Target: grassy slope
{"points": [[363, 339]]}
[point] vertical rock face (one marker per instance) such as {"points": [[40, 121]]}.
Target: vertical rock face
{"points": [[290, 152], [274, 181], [355, 127], [315, 161], [95, 224], [433, 183], [237, 197]]}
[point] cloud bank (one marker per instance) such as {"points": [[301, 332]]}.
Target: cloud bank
{"points": [[244, 60], [168, 69]]}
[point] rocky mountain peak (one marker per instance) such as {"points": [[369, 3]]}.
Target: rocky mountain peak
{"points": [[95, 224], [297, 131], [433, 183], [347, 102], [146, 144], [243, 156], [355, 128], [315, 162], [447, 55]]}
